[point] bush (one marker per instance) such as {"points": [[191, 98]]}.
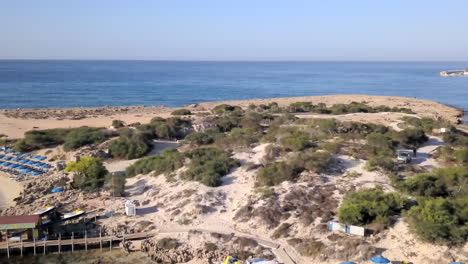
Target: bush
{"points": [[383, 162], [198, 138], [90, 173], [72, 138], [364, 207], [130, 147], [83, 136], [443, 182], [380, 144], [225, 109], [412, 137], [296, 140], [180, 112], [456, 138], [440, 220], [316, 161], [275, 173], [166, 162], [118, 124], [160, 128], [208, 165], [238, 137]]}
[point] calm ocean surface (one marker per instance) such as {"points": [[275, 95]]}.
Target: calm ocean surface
{"points": [[28, 84]]}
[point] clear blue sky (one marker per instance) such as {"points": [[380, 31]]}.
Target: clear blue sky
{"points": [[234, 30]]}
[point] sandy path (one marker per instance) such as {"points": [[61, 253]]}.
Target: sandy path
{"points": [[9, 189], [424, 154]]}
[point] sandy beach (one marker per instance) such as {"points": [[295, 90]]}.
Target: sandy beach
{"points": [[9, 190], [14, 123]]}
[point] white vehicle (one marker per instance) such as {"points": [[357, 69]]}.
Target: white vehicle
{"points": [[404, 157]]}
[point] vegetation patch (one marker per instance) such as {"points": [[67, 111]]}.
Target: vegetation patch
{"points": [[208, 165], [90, 173], [72, 138], [181, 112], [166, 162], [275, 173], [366, 206]]}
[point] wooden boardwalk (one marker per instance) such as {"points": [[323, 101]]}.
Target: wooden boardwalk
{"points": [[41, 245]]}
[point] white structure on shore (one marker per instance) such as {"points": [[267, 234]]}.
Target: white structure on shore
{"points": [[454, 73]]}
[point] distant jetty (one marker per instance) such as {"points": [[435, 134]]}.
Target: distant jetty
{"points": [[454, 73]]}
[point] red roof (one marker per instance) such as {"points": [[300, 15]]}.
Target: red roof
{"points": [[19, 219]]}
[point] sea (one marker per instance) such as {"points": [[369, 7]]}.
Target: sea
{"points": [[64, 83]]}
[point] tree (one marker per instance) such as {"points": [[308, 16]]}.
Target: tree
{"points": [[90, 173]]}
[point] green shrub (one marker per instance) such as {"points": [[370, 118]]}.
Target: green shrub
{"points": [[456, 138], [166, 162], [118, 123], [316, 161], [381, 161], [440, 220], [90, 173], [363, 207], [72, 138], [225, 109], [265, 192], [331, 147], [83, 136], [180, 112], [208, 165], [275, 173], [412, 137], [238, 137], [442, 182], [198, 138], [130, 147], [300, 107], [226, 123], [378, 143], [461, 156], [296, 140]]}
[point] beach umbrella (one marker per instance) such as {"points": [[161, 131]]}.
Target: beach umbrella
{"points": [[348, 262], [47, 166], [12, 166], [6, 158], [57, 190], [9, 151], [456, 263], [380, 260], [14, 159], [36, 173], [25, 171]]}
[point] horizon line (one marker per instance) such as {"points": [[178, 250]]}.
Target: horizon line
{"points": [[240, 60]]}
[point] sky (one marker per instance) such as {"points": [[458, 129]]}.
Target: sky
{"points": [[303, 30]]}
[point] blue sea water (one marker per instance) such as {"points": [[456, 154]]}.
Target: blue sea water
{"points": [[32, 84]]}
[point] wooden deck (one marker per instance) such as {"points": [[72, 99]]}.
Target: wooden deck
{"points": [[41, 245]]}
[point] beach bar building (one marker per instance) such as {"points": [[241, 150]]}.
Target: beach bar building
{"points": [[22, 227]]}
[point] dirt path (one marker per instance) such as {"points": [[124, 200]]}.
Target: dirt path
{"points": [[424, 154]]}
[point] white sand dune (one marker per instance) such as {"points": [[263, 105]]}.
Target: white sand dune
{"points": [[9, 190]]}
